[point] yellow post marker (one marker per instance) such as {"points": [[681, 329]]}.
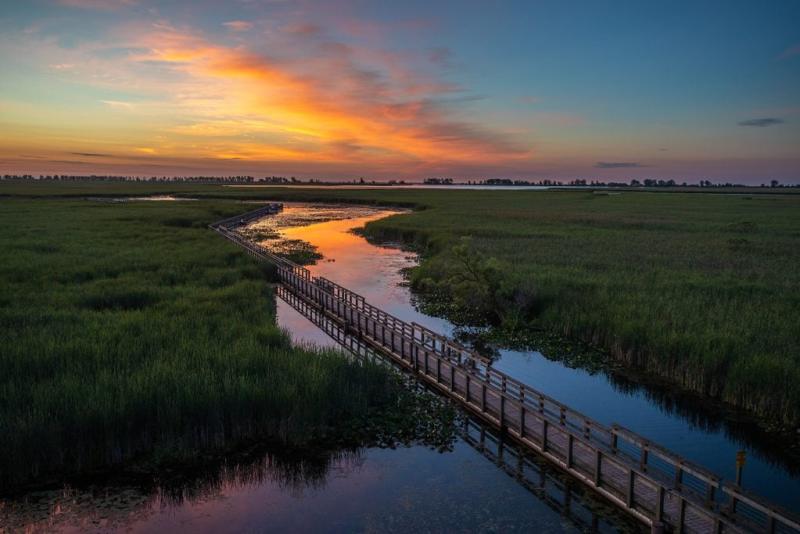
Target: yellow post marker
{"points": [[741, 457]]}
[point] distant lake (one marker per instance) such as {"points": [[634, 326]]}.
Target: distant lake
{"points": [[401, 186]]}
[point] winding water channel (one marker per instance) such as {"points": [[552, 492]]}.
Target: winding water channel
{"points": [[695, 432], [472, 487]]}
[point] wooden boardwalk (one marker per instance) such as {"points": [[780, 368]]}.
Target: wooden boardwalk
{"points": [[535, 475], [654, 485]]}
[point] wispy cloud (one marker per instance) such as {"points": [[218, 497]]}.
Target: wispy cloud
{"points": [[762, 122], [304, 29], [238, 25], [98, 4], [299, 95], [618, 165], [790, 52], [91, 154], [118, 104], [441, 57], [316, 97]]}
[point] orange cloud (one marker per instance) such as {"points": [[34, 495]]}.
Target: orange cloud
{"points": [[310, 101], [348, 108]]}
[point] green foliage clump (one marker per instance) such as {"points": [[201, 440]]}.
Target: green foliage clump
{"points": [[472, 289]]}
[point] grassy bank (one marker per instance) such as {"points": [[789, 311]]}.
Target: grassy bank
{"points": [[700, 289], [129, 328]]}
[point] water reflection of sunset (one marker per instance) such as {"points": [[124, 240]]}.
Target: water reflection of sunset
{"points": [[373, 271], [351, 261], [336, 240]]}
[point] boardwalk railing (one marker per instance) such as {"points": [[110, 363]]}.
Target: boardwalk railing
{"points": [[656, 486]]}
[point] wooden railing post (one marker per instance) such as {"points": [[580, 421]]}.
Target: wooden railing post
{"points": [[544, 435], [570, 444], [630, 495], [598, 460], [771, 524], [659, 517], [709, 492]]}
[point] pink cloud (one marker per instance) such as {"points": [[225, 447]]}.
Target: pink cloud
{"points": [[98, 4], [308, 30], [238, 25], [357, 26], [347, 97], [299, 98], [790, 52]]}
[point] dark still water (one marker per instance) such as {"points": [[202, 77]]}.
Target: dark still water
{"points": [[478, 486], [692, 431]]}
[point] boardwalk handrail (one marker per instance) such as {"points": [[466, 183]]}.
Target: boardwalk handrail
{"points": [[695, 489], [445, 345]]}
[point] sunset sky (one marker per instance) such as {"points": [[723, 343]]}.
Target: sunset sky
{"points": [[405, 90]]}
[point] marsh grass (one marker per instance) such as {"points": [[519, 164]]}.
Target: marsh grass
{"points": [[296, 250], [129, 328], [699, 288]]}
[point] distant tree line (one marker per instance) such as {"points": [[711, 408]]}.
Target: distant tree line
{"points": [[265, 180], [282, 180], [115, 178], [647, 182]]}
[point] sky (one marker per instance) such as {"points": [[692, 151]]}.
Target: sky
{"points": [[407, 90]]}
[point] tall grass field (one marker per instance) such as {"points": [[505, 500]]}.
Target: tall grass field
{"points": [[129, 328], [701, 289]]}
